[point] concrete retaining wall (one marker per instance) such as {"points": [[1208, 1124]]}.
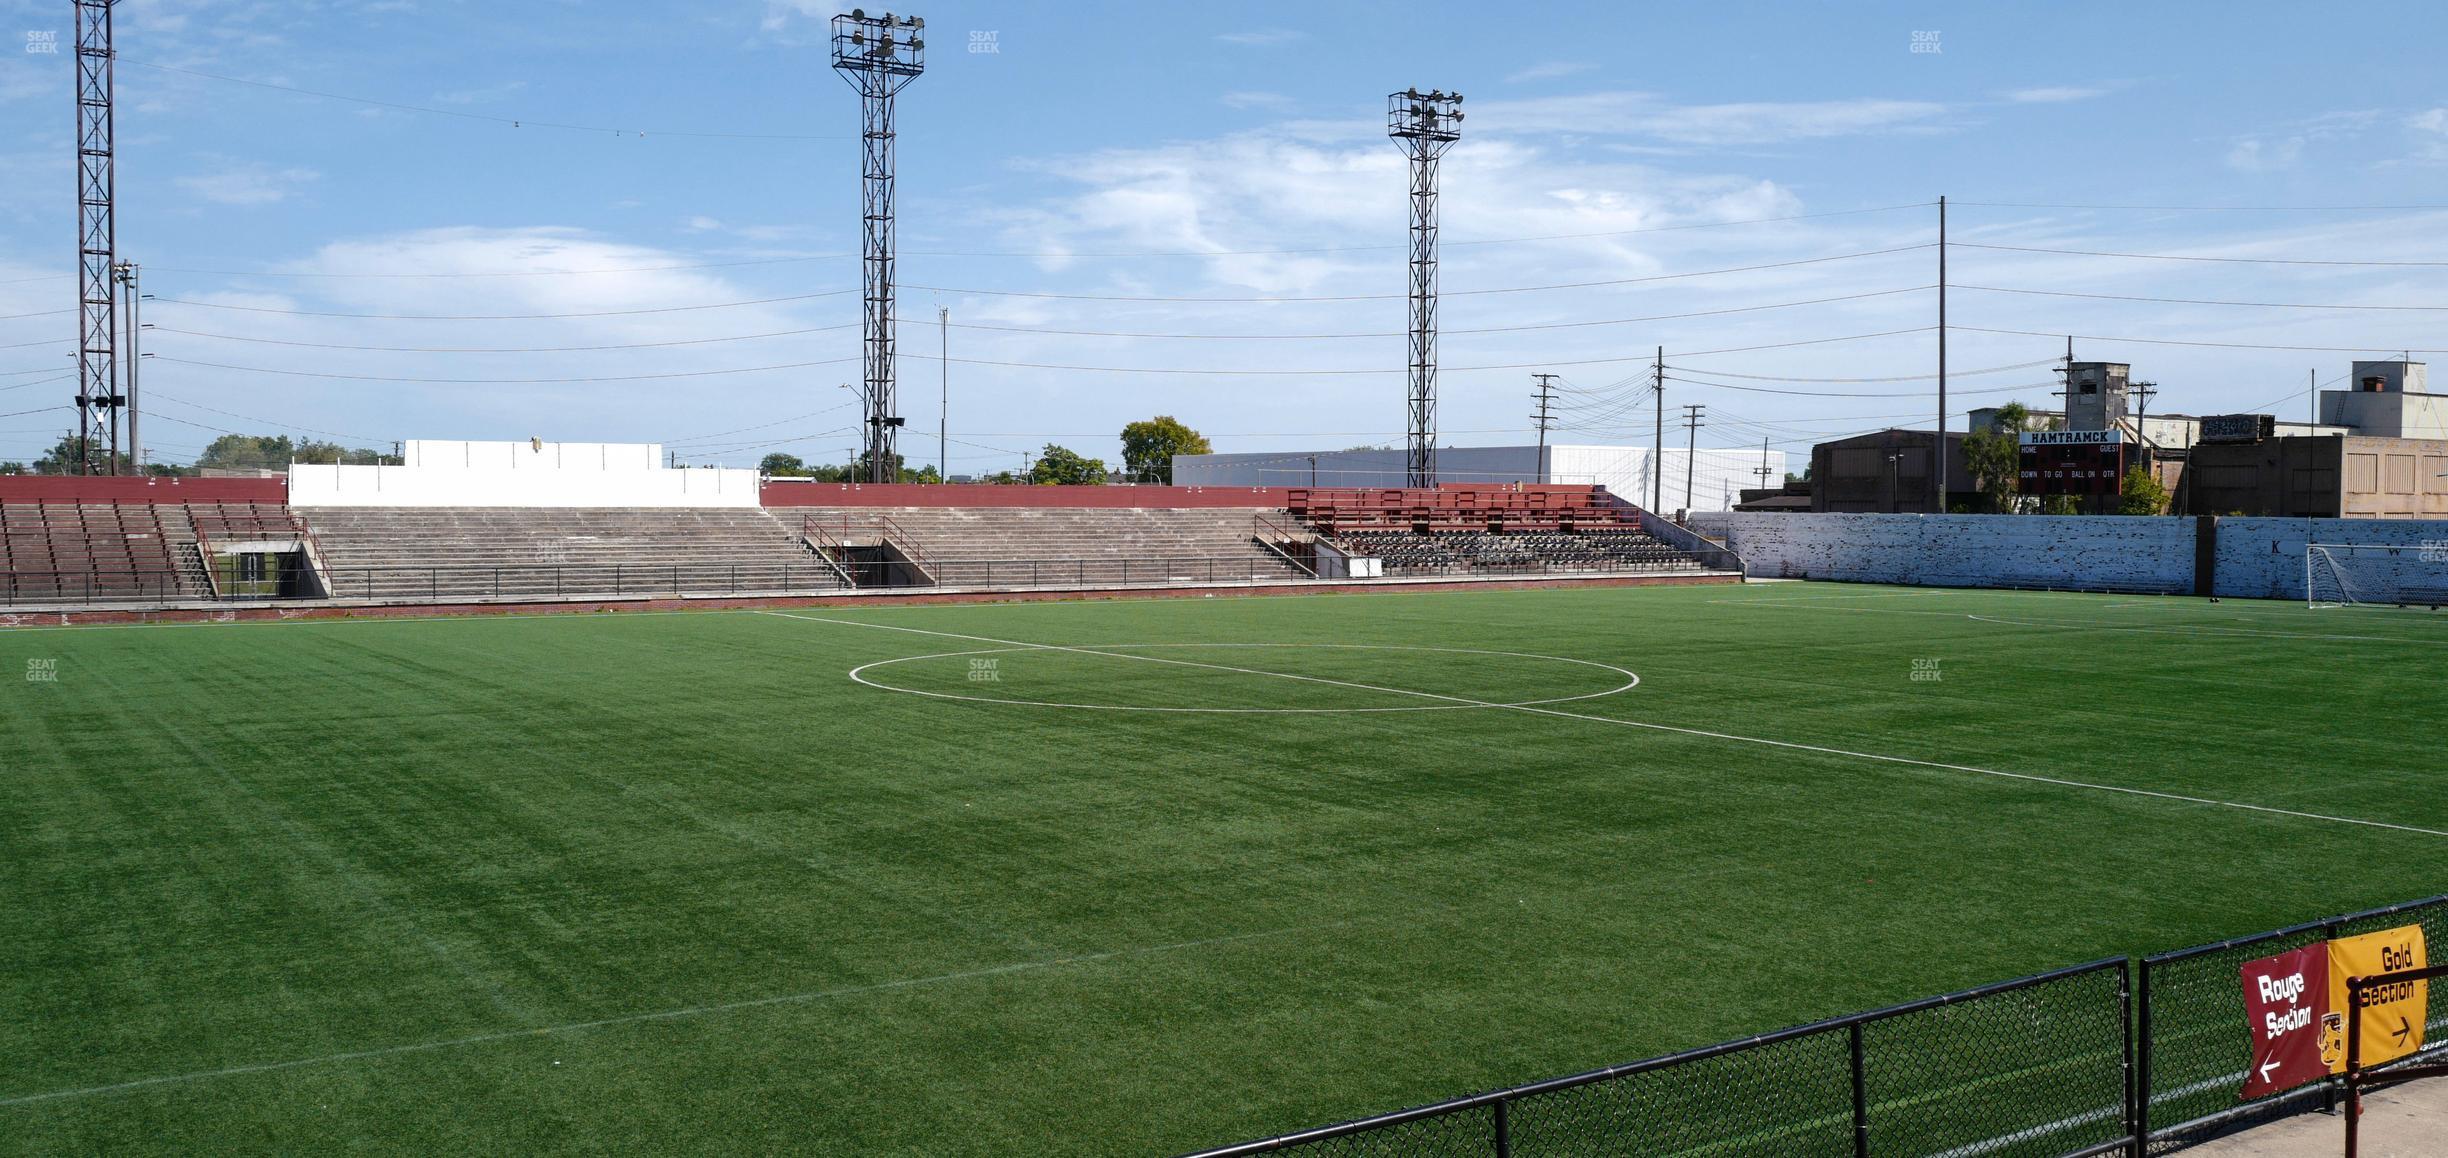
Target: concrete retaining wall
{"points": [[2264, 558], [2096, 552], [2256, 558]]}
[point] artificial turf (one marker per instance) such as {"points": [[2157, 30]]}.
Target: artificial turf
{"points": [[678, 883]]}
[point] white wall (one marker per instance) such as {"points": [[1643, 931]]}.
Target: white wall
{"points": [[453, 454], [2264, 558], [521, 474], [2107, 552]]}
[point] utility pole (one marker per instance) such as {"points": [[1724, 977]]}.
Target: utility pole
{"points": [[1692, 413], [2312, 394], [1657, 455], [878, 55], [1941, 499], [1762, 470], [125, 274], [97, 398], [1544, 418], [1424, 125], [943, 416]]}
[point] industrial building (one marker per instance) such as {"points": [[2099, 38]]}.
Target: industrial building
{"points": [[2380, 450], [1705, 479]]}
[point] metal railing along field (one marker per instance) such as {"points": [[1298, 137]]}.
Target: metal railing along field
{"points": [[2191, 1053], [92, 585], [2033, 1067], [2079, 1061]]}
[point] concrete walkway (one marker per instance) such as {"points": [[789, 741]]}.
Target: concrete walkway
{"points": [[2408, 1121]]}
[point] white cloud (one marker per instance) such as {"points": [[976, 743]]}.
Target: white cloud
{"points": [[1261, 37], [2255, 155], [1550, 70], [477, 96], [1746, 123], [2431, 134], [1257, 100], [701, 224], [2054, 95], [247, 184]]}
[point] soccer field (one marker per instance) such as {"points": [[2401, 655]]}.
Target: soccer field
{"points": [[1125, 877]]}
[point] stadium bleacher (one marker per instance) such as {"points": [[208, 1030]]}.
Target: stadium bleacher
{"points": [[407, 553], [1040, 546]]}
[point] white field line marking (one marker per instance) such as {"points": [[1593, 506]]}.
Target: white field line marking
{"points": [[1787, 745], [2171, 629], [1631, 679], [663, 1015], [2205, 629]]}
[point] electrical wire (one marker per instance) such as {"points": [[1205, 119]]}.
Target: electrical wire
{"points": [[1446, 293], [463, 114], [2192, 301], [511, 381], [1039, 255], [492, 317], [2215, 345], [2199, 257], [161, 397], [504, 349]]}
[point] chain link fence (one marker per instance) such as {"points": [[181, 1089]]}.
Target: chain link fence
{"points": [[2193, 1050], [2035, 1067], [2094, 1059]]}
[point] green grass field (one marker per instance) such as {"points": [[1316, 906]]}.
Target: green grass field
{"points": [[682, 882]]}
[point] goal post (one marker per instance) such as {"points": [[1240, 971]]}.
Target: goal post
{"points": [[2376, 575]]}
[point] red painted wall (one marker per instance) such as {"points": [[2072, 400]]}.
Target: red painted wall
{"points": [[129, 489], [784, 494]]}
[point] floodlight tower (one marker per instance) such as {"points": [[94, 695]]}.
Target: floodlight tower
{"points": [[1424, 124], [878, 55], [97, 398]]}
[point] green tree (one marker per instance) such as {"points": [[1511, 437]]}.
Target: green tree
{"points": [[67, 456], [1148, 448], [13, 468], [1061, 466], [780, 465], [2141, 493], [1994, 455]]}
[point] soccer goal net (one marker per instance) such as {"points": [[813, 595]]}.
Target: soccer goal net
{"points": [[2369, 575]]}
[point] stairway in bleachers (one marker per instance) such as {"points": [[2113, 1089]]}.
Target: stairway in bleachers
{"points": [[443, 553]]}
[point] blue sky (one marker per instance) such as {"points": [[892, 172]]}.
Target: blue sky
{"points": [[1217, 171]]}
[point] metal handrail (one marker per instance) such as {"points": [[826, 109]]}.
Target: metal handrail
{"points": [[1260, 522], [810, 531]]}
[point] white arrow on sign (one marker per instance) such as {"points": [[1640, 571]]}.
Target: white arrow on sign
{"points": [[2266, 1067]]}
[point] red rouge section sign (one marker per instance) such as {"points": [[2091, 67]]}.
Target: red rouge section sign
{"points": [[2286, 1003]]}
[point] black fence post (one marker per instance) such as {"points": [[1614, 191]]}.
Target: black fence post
{"points": [[2141, 1105], [1861, 1091], [2354, 1060], [1504, 1130], [2134, 1125]]}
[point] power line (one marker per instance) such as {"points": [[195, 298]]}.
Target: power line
{"points": [[1845, 394], [2194, 301], [463, 114], [493, 317], [2198, 257], [2205, 208], [1895, 378], [511, 381], [1446, 293], [266, 421], [1025, 255], [505, 349], [2375, 349]]}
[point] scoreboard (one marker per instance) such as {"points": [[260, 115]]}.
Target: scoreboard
{"points": [[2071, 462]]}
